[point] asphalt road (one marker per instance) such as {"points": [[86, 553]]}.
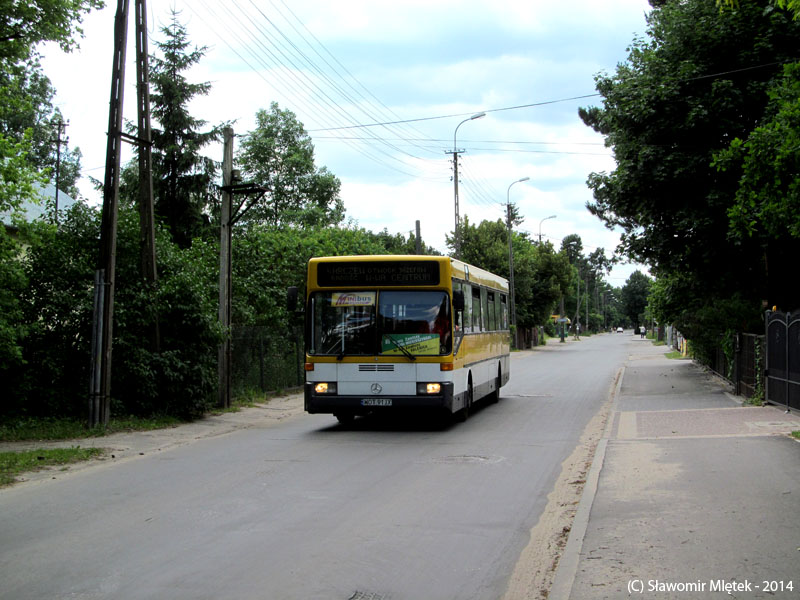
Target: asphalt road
{"points": [[307, 509]]}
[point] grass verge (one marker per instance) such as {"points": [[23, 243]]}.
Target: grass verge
{"points": [[14, 463], [28, 429], [796, 435]]}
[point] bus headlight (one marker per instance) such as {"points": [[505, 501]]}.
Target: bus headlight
{"points": [[429, 388], [325, 388]]}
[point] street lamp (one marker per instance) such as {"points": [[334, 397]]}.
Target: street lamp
{"points": [[511, 259], [455, 152], [540, 227]]}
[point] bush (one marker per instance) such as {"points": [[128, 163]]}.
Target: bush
{"points": [[178, 378]]}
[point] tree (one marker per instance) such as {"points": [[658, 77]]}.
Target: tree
{"points": [[540, 275], [24, 24], [699, 82], [766, 202], [26, 107], [572, 246], [635, 293], [791, 5], [278, 155], [182, 178]]}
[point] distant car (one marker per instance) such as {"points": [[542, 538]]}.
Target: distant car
{"points": [[620, 330]]}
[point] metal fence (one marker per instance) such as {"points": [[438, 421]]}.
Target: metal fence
{"points": [[746, 369], [783, 358], [265, 360]]}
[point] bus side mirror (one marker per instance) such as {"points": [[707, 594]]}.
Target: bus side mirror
{"points": [[458, 301], [291, 298]]}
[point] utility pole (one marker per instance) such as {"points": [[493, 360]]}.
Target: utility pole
{"points": [[418, 240], [100, 396], [455, 152], [229, 215], [146, 212], [511, 273], [105, 285], [226, 225], [586, 293], [456, 230], [510, 223], [62, 129]]}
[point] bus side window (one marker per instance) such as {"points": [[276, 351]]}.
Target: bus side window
{"points": [[492, 311], [458, 316], [476, 310], [467, 308], [504, 309], [485, 310]]}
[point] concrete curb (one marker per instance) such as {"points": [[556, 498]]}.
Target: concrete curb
{"points": [[568, 563]]}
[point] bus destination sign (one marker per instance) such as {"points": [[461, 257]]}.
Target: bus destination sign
{"points": [[378, 273]]}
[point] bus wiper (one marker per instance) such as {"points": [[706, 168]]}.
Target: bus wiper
{"points": [[402, 349]]}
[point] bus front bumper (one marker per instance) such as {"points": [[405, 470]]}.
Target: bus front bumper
{"points": [[334, 403]]}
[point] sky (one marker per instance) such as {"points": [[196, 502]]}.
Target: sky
{"points": [[385, 90]]}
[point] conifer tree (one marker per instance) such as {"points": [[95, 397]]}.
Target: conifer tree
{"points": [[182, 178]]}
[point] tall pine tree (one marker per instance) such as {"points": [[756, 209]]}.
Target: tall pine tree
{"points": [[182, 178]]}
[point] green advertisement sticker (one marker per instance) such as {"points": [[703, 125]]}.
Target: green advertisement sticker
{"points": [[415, 343]]}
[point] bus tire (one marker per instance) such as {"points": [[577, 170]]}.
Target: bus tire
{"points": [[345, 418], [463, 414], [494, 397]]}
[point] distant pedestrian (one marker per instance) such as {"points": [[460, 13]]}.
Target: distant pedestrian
{"points": [[642, 331]]}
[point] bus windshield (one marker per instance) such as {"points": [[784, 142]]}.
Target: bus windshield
{"points": [[410, 323]]}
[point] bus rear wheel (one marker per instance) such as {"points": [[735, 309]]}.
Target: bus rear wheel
{"points": [[463, 414], [494, 397]]}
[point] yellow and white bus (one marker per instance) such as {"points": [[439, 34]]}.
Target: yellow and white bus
{"points": [[403, 332]]}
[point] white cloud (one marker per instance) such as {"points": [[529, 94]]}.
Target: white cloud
{"points": [[421, 59]]}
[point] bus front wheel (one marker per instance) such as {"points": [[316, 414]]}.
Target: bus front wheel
{"points": [[345, 418]]}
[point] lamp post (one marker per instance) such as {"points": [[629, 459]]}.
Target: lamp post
{"points": [[540, 227], [511, 260], [455, 152]]}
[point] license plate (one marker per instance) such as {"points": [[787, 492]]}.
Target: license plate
{"points": [[376, 402]]}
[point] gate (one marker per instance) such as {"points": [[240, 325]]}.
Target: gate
{"points": [[783, 359]]}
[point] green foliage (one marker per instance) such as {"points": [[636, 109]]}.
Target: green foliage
{"points": [[25, 24], [15, 463], [21, 429], [57, 307], [27, 115], [701, 79], [279, 156], [540, 275], [180, 377], [769, 189], [17, 176], [792, 6], [266, 261], [12, 326], [635, 294], [676, 299], [182, 177]]}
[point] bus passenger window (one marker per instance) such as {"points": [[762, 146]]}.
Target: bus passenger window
{"points": [[485, 310], [492, 311], [477, 321], [467, 308], [504, 309]]}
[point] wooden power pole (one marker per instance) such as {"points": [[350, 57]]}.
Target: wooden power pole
{"points": [[102, 331], [226, 226]]}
